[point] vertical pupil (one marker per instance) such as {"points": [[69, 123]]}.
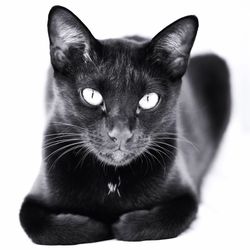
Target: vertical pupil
{"points": [[92, 94], [147, 98]]}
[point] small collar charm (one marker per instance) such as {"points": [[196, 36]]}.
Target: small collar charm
{"points": [[114, 188]]}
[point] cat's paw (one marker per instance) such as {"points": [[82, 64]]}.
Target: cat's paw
{"points": [[133, 226]]}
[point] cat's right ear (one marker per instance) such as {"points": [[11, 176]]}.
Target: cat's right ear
{"points": [[66, 34]]}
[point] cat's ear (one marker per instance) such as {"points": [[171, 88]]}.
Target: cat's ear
{"points": [[67, 32], [171, 47]]}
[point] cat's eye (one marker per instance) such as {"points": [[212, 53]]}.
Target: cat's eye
{"points": [[149, 101], [91, 96]]}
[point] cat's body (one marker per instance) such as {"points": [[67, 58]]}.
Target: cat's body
{"points": [[79, 197]]}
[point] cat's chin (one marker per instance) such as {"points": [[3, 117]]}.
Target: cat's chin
{"points": [[117, 158]]}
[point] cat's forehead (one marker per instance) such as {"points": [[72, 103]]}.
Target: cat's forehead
{"points": [[120, 53], [120, 65], [122, 44]]}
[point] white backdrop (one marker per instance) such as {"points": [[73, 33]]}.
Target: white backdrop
{"points": [[223, 219]]}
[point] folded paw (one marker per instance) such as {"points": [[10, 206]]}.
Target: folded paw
{"points": [[133, 226]]}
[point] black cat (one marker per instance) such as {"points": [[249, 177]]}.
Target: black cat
{"points": [[129, 136]]}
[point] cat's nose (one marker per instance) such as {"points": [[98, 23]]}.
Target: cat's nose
{"points": [[120, 136]]}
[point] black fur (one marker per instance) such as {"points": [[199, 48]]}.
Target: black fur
{"points": [[157, 185]]}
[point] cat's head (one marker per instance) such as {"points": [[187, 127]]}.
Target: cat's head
{"points": [[119, 95]]}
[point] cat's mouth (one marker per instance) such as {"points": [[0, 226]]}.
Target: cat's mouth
{"points": [[117, 157]]}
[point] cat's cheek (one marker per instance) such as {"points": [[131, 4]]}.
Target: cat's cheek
{"points": [[148, 121], [90, 116]]}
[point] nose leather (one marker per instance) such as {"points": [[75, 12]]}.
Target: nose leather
{"points": [[120, 135]]}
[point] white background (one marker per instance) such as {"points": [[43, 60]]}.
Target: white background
{"points": [[223, 219]]}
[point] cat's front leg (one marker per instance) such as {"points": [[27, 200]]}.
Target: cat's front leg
{"points": [[49, 228], [165, 221]]}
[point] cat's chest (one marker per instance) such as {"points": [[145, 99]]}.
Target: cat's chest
{"points": [[107, 193]]}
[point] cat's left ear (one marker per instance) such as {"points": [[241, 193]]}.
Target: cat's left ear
{"points": [[66, 31], [171, 47]]}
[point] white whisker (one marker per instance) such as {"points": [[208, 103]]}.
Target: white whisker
{"points": [[70, 125], [56, 142], [65, 152], [61, 148]]}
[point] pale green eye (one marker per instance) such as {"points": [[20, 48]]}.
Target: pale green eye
{"points": [[149, 101], [92, 96]]}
